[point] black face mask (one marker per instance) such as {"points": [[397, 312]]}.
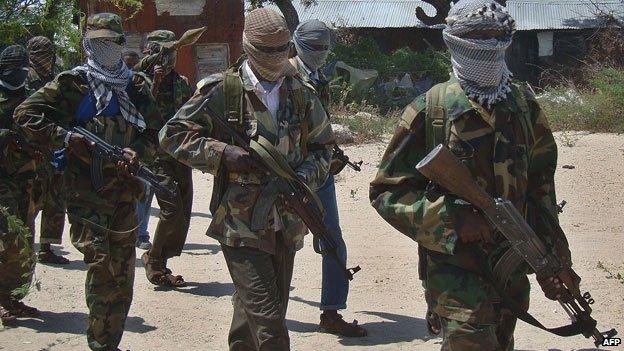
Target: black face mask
{"points": [[13, 79]]}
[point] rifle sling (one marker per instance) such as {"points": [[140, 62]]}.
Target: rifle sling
{"points": [[95, 226], [262, 209], [574, 328]]}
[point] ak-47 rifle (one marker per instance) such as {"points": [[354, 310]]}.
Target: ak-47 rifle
{"points": [[103, 151], [444, 169], [294, 192], [339, 154]]}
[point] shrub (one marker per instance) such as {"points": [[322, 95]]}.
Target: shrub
{"points": [[599, 107]]}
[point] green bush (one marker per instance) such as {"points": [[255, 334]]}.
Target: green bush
{"points": [[366, 54], [597, 108]]}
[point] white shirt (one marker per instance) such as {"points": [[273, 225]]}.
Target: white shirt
{"points": [[270, 99]]}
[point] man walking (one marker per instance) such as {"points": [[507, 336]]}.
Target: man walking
{"points": [[49, 190], [313, 40], [171, 90], [17, 173], [500, 133], [262, 101], [108, 99]]}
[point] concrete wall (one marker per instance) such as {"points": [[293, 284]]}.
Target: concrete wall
{"points": [[224, 19]]}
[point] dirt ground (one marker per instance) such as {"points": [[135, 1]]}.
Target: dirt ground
{"points": [[386, 296]]}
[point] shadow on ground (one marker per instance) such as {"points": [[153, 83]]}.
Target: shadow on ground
{"points": [[393, 328], [75, 323], [212, 289], [211, 249]]}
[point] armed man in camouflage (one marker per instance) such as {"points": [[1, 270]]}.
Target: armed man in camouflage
{"points": [[498, 130], [49, 193], [260, 99], [313, 40], [171, 91], [111, 101], [17, 173]]}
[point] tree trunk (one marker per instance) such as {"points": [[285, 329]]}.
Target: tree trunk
{"points": [[289, 12]]}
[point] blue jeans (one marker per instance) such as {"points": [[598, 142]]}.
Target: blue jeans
{"points": [[335, 287], [143, 214]]}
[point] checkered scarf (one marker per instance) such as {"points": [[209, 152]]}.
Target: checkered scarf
{"points": [[107, 73], [266, 29], [42, 55], [479, 64]]}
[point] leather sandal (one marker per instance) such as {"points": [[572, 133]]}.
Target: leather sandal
{"points": [[159, 275], [434, 326], [19, 309], [51, 258], [6, 316], [333, 323]]}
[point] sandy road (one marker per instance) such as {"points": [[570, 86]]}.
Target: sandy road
{"points": [[386, 296]]}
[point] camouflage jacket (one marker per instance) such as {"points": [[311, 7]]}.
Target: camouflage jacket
{"points": [[321, 85], [193, 139], [510, 152], [48, 114], [172, 93], [17, 168]]}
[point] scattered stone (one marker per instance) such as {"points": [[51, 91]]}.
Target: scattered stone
{"points": [[568, 167], [343, 134]]}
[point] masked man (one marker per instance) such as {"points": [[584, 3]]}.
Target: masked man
{"points": [[500, 133], [108, 99], [171, 91], [262, 102], [312, 42], [49, 194], [17, 173]]}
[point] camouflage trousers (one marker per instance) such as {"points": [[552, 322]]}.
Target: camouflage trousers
{"points": [[50, 200], [110, 257], [262, 283], [17, 257], [175, 216], [469, 308]]}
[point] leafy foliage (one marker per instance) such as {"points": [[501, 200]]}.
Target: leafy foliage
{"points": [[14, 233], [58, 20], [365, 53], [597, 107]]}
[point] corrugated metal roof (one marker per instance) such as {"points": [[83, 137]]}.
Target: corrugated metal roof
{"points": [[535, 15], [364, 13], [529, 14]]}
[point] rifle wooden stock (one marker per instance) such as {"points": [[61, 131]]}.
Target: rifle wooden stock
{"points": [[445, 169]]}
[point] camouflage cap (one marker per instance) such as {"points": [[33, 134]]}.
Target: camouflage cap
{"points": [[104, 25], [161, 36]]}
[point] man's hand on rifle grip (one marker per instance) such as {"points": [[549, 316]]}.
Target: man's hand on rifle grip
{"points": [[130, 158], [80, 146], [472, 226]]}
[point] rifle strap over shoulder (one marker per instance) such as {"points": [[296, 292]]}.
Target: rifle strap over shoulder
{"points": [[437, 126], [301, 109], [233, 96]]}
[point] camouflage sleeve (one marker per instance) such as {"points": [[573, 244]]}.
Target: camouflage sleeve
{"points": [[543, 210], [188, 136], [42, 116], [147, 143], [398, 190], [315, 167]]}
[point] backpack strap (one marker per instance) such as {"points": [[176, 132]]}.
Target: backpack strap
{"points": [[300, 104], [233, 96], [437, 126]]}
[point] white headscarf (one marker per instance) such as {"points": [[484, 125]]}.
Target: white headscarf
{"points": [[479, 64]]}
